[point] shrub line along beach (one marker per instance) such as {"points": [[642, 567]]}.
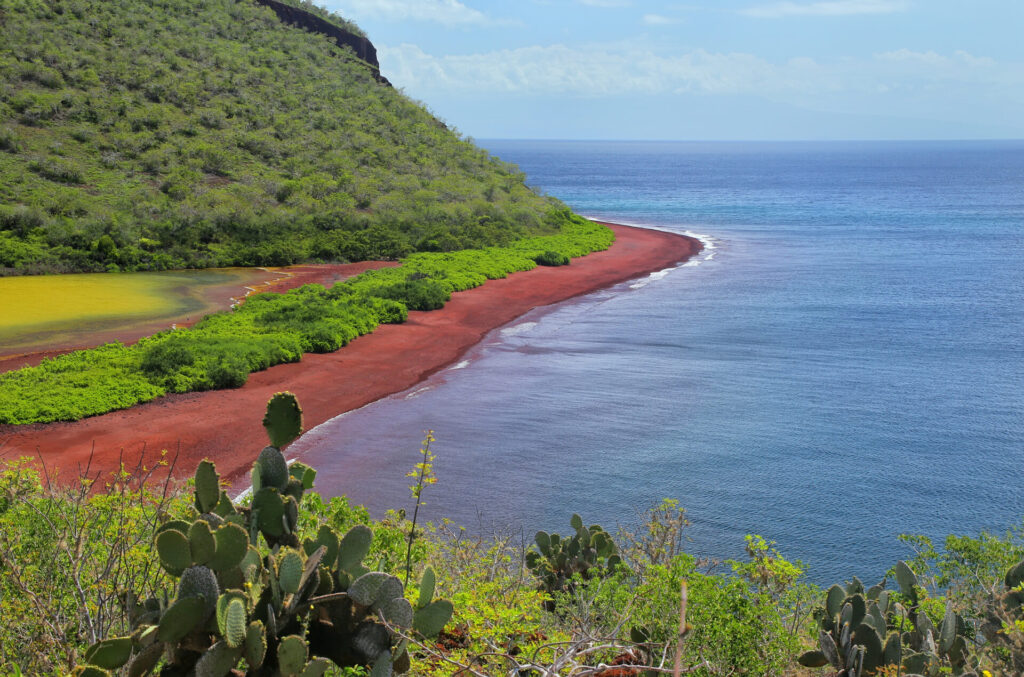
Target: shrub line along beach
{"points": [[216, 297], [224, 424]]}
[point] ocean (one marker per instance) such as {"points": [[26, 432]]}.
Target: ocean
{"points": [[843, 362]]}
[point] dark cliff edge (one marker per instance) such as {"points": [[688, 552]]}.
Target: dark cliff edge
{"points": [[362, 47]]}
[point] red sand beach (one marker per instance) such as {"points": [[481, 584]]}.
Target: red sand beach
{"points": [[226, 425]]}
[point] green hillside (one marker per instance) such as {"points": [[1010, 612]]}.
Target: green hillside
{"points": [[139, 134]]}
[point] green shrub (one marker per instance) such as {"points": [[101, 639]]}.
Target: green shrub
{"points": [[9, 140], [165, 357], [550, 258], [419, 294], [57, 170]]}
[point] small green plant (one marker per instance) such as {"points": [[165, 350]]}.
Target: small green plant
{"points": [[558, 561], [423, 472], [8, 141], [250, 592]]}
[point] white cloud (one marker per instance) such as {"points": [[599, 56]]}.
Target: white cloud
{"points": [[658, 20], [446, 12], [605, 3], [826, 8], [622, 69], [597, 70]]}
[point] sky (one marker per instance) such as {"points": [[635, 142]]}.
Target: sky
{"points": [[711, 70]]}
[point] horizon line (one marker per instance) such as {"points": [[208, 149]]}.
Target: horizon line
{"points": [[655, 140]]}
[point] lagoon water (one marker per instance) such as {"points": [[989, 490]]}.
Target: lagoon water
{"points": [[842, 364]]}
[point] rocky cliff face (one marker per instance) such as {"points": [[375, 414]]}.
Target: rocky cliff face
{"points": [[362, 47]]}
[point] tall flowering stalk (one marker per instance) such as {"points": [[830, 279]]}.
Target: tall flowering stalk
{"points": [[423, 473]]}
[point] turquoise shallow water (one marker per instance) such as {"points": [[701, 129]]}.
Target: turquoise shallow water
{"points": [[844, 363]]}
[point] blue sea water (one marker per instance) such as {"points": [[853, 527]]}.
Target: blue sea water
{"points": [[842, 364]]}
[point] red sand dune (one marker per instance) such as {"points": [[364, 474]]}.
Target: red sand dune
{"points": [[226, 425]]}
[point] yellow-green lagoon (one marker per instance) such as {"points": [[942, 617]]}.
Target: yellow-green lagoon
{"points": [[51, 312]]}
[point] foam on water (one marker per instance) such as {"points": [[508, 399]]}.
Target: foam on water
{"points": [[653, 277], [517, 329]]}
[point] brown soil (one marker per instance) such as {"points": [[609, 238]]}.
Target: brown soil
{"points": [[226, 425]]}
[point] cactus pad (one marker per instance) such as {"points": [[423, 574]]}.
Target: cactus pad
{"points": [[234, 623], [146, 660], [255, 644], [1015, 576], [905, 578], [181, 618], [303, 473], [397, 612], [427, 583], [267, 502], [316, 667], [289, 571], [812, 659], [232, 543], [371, 640], [283, 419], [273, 468], [364, 589], [199, 581], [291, 655], [110, 653], [175, 553], [431, 619], [217, 661], [327, 538], [382, 667], [201, 543], [353, 547], [207, 487]]}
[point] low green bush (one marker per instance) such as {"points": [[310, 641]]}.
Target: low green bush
{"points": [[419, 294], [550, 258]]}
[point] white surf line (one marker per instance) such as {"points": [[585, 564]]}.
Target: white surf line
{"points": [[708, 246]]}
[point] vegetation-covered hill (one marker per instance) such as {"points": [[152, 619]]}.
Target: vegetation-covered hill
{"points": [[142, 134]]}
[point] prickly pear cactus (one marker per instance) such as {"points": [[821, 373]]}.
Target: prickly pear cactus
{"points": [[283, 419], [1006, 610], [589, 552], [864, 631], [252, 599]]}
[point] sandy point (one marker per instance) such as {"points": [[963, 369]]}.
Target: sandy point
{"points": [[225, 425]]}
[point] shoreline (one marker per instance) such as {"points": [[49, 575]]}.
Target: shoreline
{"points": [[225, 425]]}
